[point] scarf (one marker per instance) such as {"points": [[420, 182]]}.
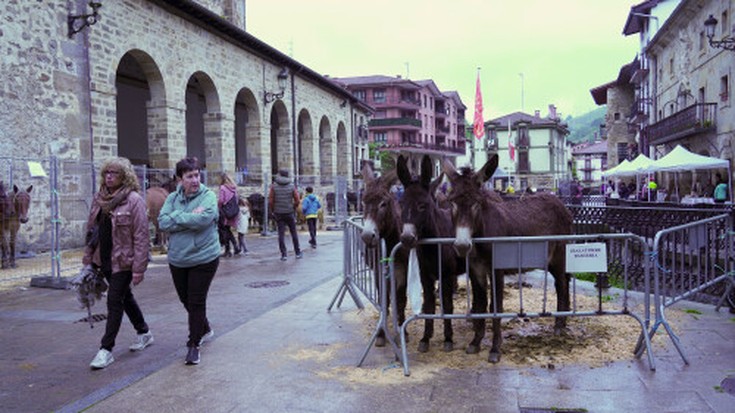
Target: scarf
{"points": [[109, 201]]}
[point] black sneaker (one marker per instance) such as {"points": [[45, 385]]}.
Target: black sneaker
{"points": [[283, 258], [192, 357]]}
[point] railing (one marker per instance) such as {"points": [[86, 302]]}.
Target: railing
{"points": [[377, 123], [429, 146], [697, 118]]}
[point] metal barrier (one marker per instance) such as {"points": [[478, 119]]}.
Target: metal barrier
{"points": [[688, 260], [531, 252], [365, 271]]}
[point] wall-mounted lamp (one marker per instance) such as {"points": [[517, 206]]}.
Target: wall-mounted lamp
{"points": [[269, 97], [76, 23], [727, 42]]}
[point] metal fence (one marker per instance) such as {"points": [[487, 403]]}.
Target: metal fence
{"points": [[690, 260]]}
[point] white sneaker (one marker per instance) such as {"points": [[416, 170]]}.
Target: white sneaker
{"points": [[102, 359], [206, 337], [142, 341]]}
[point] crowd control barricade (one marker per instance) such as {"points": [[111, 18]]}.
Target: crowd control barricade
{"points": [[519, 253], [688, 260], [365, 271]]}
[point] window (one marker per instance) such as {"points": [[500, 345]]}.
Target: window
{"points": [[424, 100], [701, 41], [616, 116], [380, 114], [701, 95], [360, 94], [622, 151], [725, 24], [724, 88], [671, 66], [380, 137], [379, 95]]}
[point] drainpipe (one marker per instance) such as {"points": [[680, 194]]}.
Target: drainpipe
{"points": [[296, 153], [88, 79]]}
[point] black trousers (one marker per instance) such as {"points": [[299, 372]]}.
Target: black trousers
{"points": [[120, 300], [283, 221], [192, 286], [311, 223]]}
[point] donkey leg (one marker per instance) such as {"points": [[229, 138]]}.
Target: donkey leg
{"points": [[428, 307], [561, 285], [448, 303], [11, 255], [479, 304], [497, 301]]}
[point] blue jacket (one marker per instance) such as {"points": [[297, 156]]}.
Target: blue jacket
{"points": [[310, 206], [193, 238]]}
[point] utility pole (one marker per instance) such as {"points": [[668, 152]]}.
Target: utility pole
{"points": [[522, 92]]}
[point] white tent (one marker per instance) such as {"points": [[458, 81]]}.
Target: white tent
{"points": [[638, 166], [613, 171], [681, 159]]}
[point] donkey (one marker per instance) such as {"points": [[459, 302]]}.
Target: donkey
{"points": [[382, 220], [476, 213], [14, 213], [154, 198], [422, 218]]}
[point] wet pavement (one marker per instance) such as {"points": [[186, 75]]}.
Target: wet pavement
{"points": [[277, 349]]}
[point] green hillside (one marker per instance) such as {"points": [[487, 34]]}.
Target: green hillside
{"points": [[582, 128]]}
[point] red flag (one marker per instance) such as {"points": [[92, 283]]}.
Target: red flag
{"points": [[511, 147], [478, 128]]}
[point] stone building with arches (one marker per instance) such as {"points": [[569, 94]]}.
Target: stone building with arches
{"points": [[157, 80]]}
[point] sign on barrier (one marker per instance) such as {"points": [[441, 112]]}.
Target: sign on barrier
{"points": [[590, 257]]}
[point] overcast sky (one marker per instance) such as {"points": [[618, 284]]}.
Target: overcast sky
{"points": [[563, 48]]}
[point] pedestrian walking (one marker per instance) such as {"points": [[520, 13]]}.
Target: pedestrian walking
{"points": [[118, 247], [283, 199], [720, 191], [228, 203], [310, 207], [190, 217], [243, 225]]}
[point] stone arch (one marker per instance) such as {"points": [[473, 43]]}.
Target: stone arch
{"points": [[344, 155], [141, 124], [326, 148], [203, 121], [280, 143], [247, 131], [307, 144]]}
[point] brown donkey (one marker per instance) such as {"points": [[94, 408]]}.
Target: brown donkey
{"points": [[477, 214], [14, 212]]}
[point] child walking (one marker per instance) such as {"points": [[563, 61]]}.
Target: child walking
{"points": [[310, 207], [243, 224]]}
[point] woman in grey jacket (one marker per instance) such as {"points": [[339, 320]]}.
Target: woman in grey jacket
{"points": [[190, 216]]}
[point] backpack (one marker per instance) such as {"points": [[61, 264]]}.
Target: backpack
{"points": [[230, 209]]}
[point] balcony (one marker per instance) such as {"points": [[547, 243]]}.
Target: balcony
{"points": [[394, 123], [639, 110], [412, 145], [403, 102], [695, 119], [442, 130]]}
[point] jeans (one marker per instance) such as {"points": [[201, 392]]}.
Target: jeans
{"points": [[120, 300], [192, 285], [283, 220], [311, 223]]}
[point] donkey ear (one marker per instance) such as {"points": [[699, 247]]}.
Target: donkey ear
{"points": [[427, 170], [15, 188], [488, 169], [404, 175], [367, 173], [388, 179], [29, 189], [435, 184], [449, 169]]}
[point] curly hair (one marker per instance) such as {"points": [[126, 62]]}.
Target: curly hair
{"points": [[127, 173]]}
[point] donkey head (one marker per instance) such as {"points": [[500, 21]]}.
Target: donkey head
{"points": [[21, 203], [380, 209], [417, 203], [467, 198]]}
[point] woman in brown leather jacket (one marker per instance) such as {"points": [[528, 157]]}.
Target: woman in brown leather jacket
{"points": [[118, 245]]}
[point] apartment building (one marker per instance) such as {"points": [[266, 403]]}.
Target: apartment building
{"points": [[684, 81], [412, 117]]}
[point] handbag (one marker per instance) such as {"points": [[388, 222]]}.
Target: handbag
{"points": [[230, 208]]}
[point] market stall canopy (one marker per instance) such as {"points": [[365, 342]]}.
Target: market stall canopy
{"points": [[638, 166], [681, 159], [613, 171]]}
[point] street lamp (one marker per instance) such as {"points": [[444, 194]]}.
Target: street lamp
{"points": [[269, 97], [727, 42], [84, 19]]}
